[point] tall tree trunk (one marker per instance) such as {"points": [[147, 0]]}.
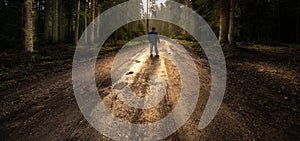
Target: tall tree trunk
{"points": [[28, 26], [48, 20], [92, 17], [36, 16], [77, 22], [231, 23], [98, 21], [279, 24], [39, 17], [71, 24], [85, 20], [147, 30], [224, 22], [61, 22], [55, 22], [170, 29], [297, 23]]}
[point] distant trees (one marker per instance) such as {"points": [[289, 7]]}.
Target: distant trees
{"points": [[28, 27], [267, 20], [28, 22], [263, 20]]}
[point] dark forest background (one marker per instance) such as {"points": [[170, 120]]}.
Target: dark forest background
{"points": [[63, 21]]}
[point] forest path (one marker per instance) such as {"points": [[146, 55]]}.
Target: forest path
{"points": [[47, 110]]}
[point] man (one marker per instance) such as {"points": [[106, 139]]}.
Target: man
{"points": [[153, 39]]}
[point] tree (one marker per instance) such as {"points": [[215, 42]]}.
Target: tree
{"points": [[77, 22], [147, 21], [55, 21], [98, 19], [85, 20], [224, 22], [28, 26], [231, 23], [48, 20], [297, 23], [92, 19]]}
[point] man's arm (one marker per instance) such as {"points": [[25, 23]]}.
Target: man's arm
{"points": [[158, 40]]}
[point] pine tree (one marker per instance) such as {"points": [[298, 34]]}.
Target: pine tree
{"points": [[224, 22], [77, 22], [231, 23], [55, 21], [92, 19], [28, 26]]}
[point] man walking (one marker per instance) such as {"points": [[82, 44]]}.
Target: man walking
{"points": [[153, 39]]}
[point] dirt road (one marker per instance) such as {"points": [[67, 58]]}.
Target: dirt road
{"points": [[47, 109]]}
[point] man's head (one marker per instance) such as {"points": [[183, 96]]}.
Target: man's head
{"points": [[153, 28]]}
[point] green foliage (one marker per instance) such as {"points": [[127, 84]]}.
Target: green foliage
{"points": [[38, 58], [189, 43], [135, 43], [293, 45]]}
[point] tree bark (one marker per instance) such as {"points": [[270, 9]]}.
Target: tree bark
{"points": [[28, 26], [48, 20], [92, 36], [77, 22], [55, 22], [85, 20], [297, 25], [61, 22], [224, 22], [98, 21], [231, 23], [147, 30]]}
